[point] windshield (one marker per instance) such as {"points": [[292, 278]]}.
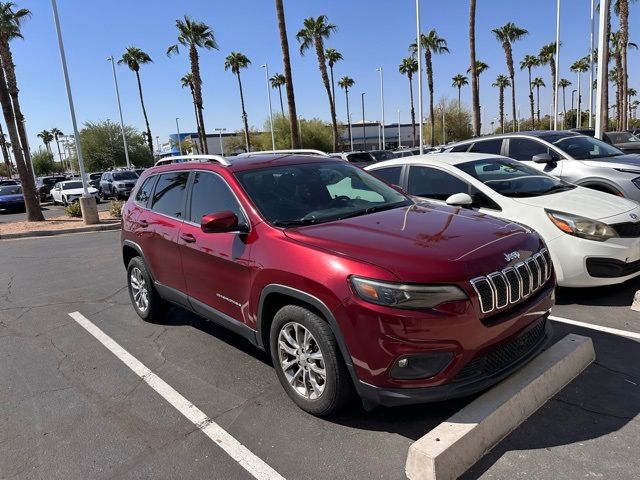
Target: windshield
{"points": [[513, 179], [585, 148], [622, 137], [125, 176], [10, 190], [381, 155], [71, 185], [317, 192]]}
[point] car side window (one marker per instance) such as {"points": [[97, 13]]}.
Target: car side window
{"points": [[525, 148], [493, 146], [460, 148], [434, 183], [168, 195], [389, 174], [211, 194], [144, 193]]}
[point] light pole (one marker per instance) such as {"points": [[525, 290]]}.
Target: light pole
{"points": [[603, 70], [444, 130], [351, 129], [557, 79], [573, 96], [579, 113], [419, 52], [266, 76], [220, 130], [87, 202], [364, 131], [593, 24], [384, 139], [179, 140], [399, 136], [552, 121], [124, 137], [379, 136]]}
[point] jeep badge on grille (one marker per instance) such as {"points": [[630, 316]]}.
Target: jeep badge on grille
{"points": [[511, 256]]}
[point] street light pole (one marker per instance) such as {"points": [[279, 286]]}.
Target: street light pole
{"points": [[124, 137], [384, 139], [603, 70], [351, 129], [220, 130], [399, 137], [557, 79], [419, 74], [364, 131], [266, 76], [444, 130], [579, 113], [179, 139]]}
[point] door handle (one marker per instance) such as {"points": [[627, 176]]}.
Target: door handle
{"points": [[143, 223], [187, 237]]}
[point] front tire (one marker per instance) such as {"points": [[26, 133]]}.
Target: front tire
{"points": [[308, 362], [144, 296]]}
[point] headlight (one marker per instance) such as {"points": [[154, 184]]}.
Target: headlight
{"points": [[581, 227], [405, 296]]}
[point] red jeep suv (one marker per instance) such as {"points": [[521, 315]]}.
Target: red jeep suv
{"points": [[344, 280]]}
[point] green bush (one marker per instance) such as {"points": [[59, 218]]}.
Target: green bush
{"points": [[115, 208], [73, 209]]}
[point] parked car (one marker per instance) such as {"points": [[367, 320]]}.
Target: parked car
{"points": [[407, 152], [70, 191], [625, 141], [11, 198], [365, 157], [45, 184], [343, 279], [575, 158], [6, 183], [117, 184], [593, 237], [94, 179], [139, 171]]}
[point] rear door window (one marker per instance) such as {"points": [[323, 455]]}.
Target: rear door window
{"points": [[525, 148], [169, 193], [493, 147], [434, 183], [389, 174]]}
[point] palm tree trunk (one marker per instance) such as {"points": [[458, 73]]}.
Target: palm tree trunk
{"points": [[34, 212], [327, 86], [333, 89], [533, 115], [197, 89], [552, 65], [346, 93], [281, 105], [429, 68], [538, 101], [244, 115], [144, 112], [195, 111], [59, 153], [286, 61], [623, 13], [501, 100], [413, 113], [475, 91], [564, 104], [459, 93], [604, 111]]}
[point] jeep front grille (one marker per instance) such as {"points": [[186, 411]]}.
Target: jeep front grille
{"points": [[498, 290]]}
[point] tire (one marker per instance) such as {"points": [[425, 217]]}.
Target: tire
{"points": [[155, 306], [53, 201], [321, 399], [64, 201]]}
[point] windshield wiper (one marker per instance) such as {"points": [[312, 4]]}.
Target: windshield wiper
{"points": [[295, 223], [377, 208]]}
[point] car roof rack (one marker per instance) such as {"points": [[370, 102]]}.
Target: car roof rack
{"points": [[299, 151], [194, 158]]}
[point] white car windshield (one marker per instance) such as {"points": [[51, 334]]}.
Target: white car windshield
{"points": [[71, 185], [585, 148], [513, 179]]}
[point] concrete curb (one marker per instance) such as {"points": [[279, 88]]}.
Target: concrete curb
{"points": [[103, 227], [451, 448]]}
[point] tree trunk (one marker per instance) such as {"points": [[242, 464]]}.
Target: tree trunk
{"points": [[59, 153], [538, 101], [533, 115], [327, 86], [281, 105], [552, 65], [413, 112], [501, 101], [346, 93], [333, 88], [286, 61], [604, 111], [564, 105], [512, 76], [244, 115], [459, 93], [32, 204], [195, 111], [475, 91], [5, 151], [429, 69], [144, 112], [197, 89], [623, 6]]}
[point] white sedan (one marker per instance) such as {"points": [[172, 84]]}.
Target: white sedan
{"points": [[593, 237], [70, 191]]}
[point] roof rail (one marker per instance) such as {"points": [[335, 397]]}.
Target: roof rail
{"points": [[299, 151], [193, 158]]}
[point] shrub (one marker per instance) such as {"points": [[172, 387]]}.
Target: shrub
{"points": [[115, 208], [73, 209]]}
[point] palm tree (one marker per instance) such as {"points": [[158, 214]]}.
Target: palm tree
{"points": [[57, 133], [10, 23], [621, 8], [529, 62], [193, 35], [313, 34], [563, 84], [617, 49], [332, 56], [507, 34], [475, 88], [459, 81], [579, 66], [286, 62], [547, 56], [408, 67], [277, 81], [187, 81], [502, 82], [234, 62], [432, 44], [346, 83], [47, 137], [538, 83], [134, 57]]}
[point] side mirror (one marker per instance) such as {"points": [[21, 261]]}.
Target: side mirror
{"points": [[221, 222], [460, 200], [543, 158]]}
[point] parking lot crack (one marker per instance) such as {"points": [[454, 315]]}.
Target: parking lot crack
{"points": [[596, 412], [8, 293], [617, 372]]}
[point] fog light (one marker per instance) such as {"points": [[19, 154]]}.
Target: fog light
{"points": [[412, 367]]}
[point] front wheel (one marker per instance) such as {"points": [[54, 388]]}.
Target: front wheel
{"points": [[308, 362], [144, 296]]}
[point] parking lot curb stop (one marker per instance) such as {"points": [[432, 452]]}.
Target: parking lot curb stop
{"points": [[454, 446]]}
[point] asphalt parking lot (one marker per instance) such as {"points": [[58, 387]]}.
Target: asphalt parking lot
{"points": [[48, 209], [70, 409]]}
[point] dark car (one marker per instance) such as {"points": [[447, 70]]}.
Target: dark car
{"points": [[11, 199], [45, 184], [625, 141], [117, 184], [4, 183], [94, 179], [344, 280]]}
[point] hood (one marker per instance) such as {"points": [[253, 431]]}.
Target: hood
{"points": [[79, 191], [582, 201], [425, 242], [14, 197], [621, 161]]}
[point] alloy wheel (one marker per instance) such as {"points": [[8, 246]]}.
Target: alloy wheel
{"points": [[139, 289]]}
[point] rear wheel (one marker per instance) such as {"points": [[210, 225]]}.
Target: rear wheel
{"points": [[308, 362], [144, 296]]}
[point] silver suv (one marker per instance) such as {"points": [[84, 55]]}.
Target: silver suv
{"points": [[575, 158]]}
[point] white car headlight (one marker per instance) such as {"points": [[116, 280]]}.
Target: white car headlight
{"points": [[581, 227], [405, 296]]}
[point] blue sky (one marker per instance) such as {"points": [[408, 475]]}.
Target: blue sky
{"points": [[370, 33]]}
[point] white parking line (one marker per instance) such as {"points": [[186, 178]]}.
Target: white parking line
{"points": [[615, 331], [241, 454]]}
